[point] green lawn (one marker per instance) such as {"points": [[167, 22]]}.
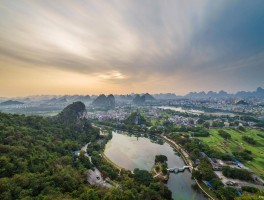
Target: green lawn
{"points": [[156, 122], [236, 143]]}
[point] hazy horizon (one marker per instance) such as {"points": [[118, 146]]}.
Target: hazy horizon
{"points": [[96, 94], [120, 47]]}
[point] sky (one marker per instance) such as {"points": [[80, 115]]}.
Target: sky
{"points": [[156, 46]]}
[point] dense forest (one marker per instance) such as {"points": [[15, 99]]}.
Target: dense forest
{"points": [[37, 157], [37, 161]]}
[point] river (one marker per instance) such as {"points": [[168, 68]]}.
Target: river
{"points": [[196, 112], [132, 152]]}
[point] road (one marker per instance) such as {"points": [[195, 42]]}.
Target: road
{"points": [[94, 177], [239, 182], [84, 148], [182, 151]]}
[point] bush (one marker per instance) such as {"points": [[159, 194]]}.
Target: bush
{"points": [[227, 157], [200, 121], [201, 134], [161, 159], [197, 174], [250, 189], [206, 170], [241, 128], [216, 183], [206, 124], [243, 155], [164, 171], [218, 124], [142, 177], [224, 134], [235, 173], [226, 193], [249, 140]]}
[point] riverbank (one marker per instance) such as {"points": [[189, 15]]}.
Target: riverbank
{"points": [[185, 157], [106, 158], [114, 165]]}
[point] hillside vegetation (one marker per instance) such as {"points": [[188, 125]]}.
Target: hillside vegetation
{"points": [[37, 161], [247, 146], [37, 158]]}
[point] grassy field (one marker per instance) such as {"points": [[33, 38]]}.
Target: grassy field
{"points": [[236, 143]]}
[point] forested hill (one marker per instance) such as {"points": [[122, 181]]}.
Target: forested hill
{"points": [[37, 162], [72, 113], [136, 118], [36, 159]]}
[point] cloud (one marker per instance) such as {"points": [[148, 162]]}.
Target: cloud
{"points": [[133, 42]]}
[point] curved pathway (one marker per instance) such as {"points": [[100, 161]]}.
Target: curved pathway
{"points": [[94, 177]]}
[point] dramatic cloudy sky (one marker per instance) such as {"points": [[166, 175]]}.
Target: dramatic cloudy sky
{"points": [[91, 47]]}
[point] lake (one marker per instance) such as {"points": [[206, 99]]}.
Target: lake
{"points": [[130, 152]]}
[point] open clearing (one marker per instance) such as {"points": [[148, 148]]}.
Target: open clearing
{"points": [[236, 143]]}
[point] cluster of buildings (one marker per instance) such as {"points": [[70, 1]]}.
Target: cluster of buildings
{"points": [[180, 120], [253, 106], [117, 114], [218, 164], [155, 113], [232, 107]]}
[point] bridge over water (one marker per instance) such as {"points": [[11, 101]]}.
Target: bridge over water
{"points": [[178, 169]]}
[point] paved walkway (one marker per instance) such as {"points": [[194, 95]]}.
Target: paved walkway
{"points": [[94, 177]]}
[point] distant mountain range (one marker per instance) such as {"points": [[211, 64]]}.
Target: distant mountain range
{"points": [[104, 101], [124, 97], [165, 96], [138, 100], [259, 93], [68, 99], [11, 103]]}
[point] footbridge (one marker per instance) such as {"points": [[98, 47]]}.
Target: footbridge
{"points": [[178, 169]]}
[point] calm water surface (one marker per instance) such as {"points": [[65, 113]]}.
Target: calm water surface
{"points": [[132, 152], [197, 112]]}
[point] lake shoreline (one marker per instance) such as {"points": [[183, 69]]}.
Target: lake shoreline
{"points": [[175, 178]]}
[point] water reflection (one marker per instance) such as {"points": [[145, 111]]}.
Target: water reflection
{"points": [[152, 138]]}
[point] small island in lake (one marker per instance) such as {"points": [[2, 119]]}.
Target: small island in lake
{"points": [[159, 169]]}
